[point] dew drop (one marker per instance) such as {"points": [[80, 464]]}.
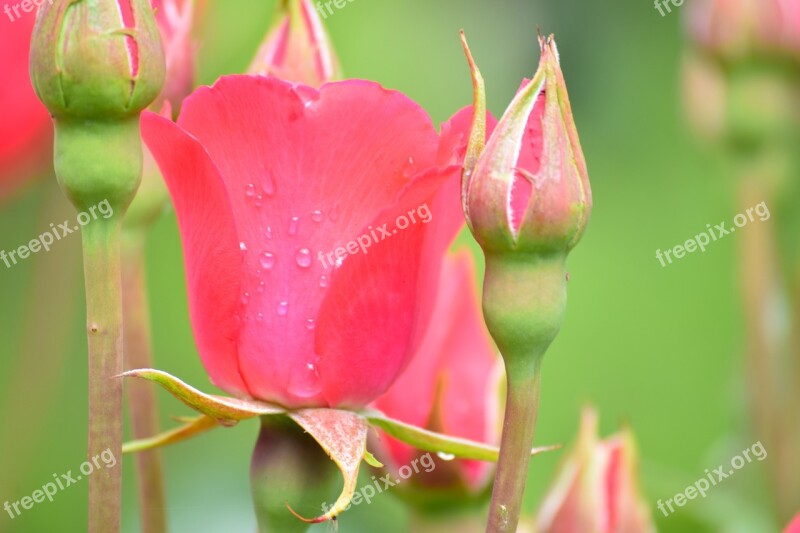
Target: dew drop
{"points": [[259, 317], [246, 298], [267, 260], [283, 308], [242, 246], [311, 324], [293, 225], [303, 257], [411, 160], [323, 281], [268, 233], [445, 456], [261, 286], [305, 381], [250, 190], [316, 216], [259, 200]]}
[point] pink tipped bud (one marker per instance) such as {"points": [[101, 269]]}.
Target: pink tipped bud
{"points": [[596, 487], [297, 48], [529, 189], [96, 58], [738, 28], [175, 19]]}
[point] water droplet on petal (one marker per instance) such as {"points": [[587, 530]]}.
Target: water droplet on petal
{"points": [[293, 225], [250, 190], [411, 160], [242, 246], [316, 216], [305, 381], [259, 200], [311, 324], [323, 281], [261, 286], [304, 257], [268, 233], [445, 456], [283, 308], [267, 260], [259, 317], [245, 298]]}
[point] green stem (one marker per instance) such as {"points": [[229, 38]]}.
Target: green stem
{"points": [[522, 405], [104, 326], [524, 301], [142, 401]]}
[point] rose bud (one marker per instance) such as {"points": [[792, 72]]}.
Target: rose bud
{"points": [[297, 47], [596, 488], [455, 382], [96, 65]]}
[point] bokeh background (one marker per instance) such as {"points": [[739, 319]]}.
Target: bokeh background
{"points": [[659, 349]]}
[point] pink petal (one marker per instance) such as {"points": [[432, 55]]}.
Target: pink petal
{"points": [[209, 237]]}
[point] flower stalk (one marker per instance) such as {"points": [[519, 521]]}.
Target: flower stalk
{"points": [[527, 201], [95, 71]]}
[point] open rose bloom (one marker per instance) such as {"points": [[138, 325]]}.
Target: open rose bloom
{"points": [[309, 284]]}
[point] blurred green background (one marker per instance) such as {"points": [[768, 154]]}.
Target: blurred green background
{"points": [[659, 349]]}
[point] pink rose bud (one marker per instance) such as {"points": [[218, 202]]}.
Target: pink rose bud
{"points": [[297, 48], [456, 382], [529, 191], [596, 488], [96, 58], [175, 19]]}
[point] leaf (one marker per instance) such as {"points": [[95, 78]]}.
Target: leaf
{"points": [[226, 411], [431, 441], [191, 428], [343, 436]]}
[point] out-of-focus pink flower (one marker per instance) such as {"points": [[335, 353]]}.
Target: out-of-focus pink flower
{"points": [[297, 47], [25, 130], [175, 20], [452, 384], [596, 489], [308, 283], [794, 525], [737, 28]]}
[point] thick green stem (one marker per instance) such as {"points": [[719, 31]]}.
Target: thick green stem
{"points": [[142, 401], [524, 301], [104, 328]]}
